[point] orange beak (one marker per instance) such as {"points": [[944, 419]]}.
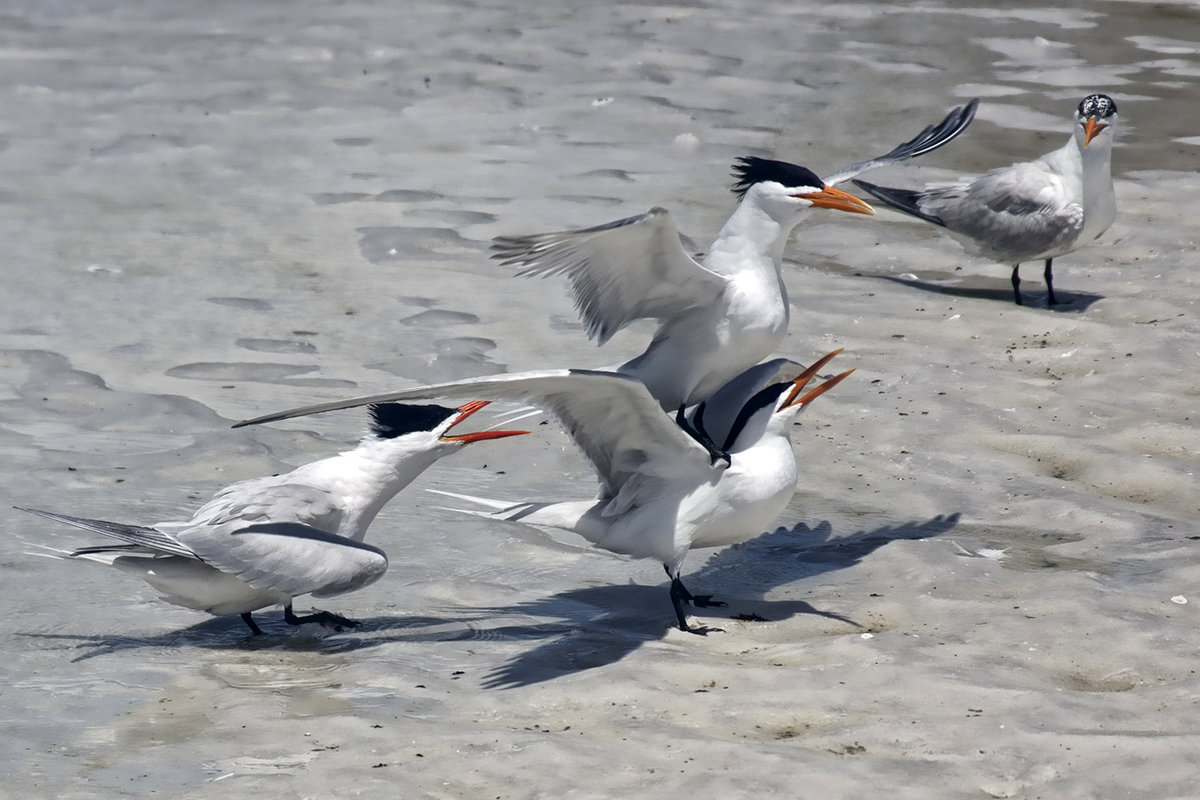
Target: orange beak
{"points": [[795, 399], [837, 200], [1091, 128], [478, 436]]}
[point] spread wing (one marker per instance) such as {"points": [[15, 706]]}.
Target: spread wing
{"points": [[612, 418], [633, 268], [929, 139]]}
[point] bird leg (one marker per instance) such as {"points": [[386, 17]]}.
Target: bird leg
{"points": [[698, 433], [1049, 276], [680, 595], [328, 619], [249, 620], [1016, 283]]}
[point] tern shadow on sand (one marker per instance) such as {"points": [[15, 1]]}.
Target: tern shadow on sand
{"points": [[606, 623], [1068, 301], [578, 629]]}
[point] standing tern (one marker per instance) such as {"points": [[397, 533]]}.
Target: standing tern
{"points": [[661, 493], [1032, 211], [264, 541], [718, 316]]}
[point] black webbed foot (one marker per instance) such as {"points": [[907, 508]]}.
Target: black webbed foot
{"points": [[703, 630], [680, 595], [327, 619]]}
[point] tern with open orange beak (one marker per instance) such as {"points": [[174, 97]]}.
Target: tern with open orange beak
{"points": [[1032, 211], [717, 316], [662, 491], [264, 541]]}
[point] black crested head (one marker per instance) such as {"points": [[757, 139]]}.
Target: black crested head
{"points": [[750, 170], [761, 399], [390, 420], [1097, 105]]}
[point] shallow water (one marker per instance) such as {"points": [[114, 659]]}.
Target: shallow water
{"points": [[217, 211]]}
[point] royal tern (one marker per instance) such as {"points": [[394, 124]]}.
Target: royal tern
{"points": [[1031, 211], [661, 494], [264, 541], [718, 316]]}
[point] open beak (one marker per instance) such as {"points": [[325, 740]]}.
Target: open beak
{"points": [[1091, 128], [796, 399], [838, 200], [478, 436]]}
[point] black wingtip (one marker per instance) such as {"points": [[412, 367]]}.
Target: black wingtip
{"points": [[278, 416], [934, 136]]}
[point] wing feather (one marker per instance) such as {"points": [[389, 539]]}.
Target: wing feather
{"points": [[612, 418], [930, 138], [633, 268], [263, 500], [294, 559], [151, 539], [1009, 211]]}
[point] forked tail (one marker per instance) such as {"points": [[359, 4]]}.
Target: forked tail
{"points": [[565, 515], [130, 534]]}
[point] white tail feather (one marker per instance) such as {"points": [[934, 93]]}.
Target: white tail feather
{"points": [[49, 552], [514, 415], [473, 512], [55, 553], [497, 505], [572, 515]]}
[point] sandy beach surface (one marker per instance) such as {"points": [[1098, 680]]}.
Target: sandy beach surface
{"points": [[986, 585]]}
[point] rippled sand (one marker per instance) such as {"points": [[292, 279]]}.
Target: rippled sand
{"points": [[985, 585]]}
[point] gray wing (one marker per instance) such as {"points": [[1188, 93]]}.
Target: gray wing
{"points": [[1008, 212], [929, 139], [292, 558], [611, 417], [266, 499], [633, 268], [283, 556]]}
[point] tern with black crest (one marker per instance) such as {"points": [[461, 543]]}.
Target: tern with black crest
{"points": [[264, 541], [662, 493], [718, 316]]}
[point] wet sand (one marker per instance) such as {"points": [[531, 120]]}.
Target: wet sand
{"points": [[985, 585]]}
